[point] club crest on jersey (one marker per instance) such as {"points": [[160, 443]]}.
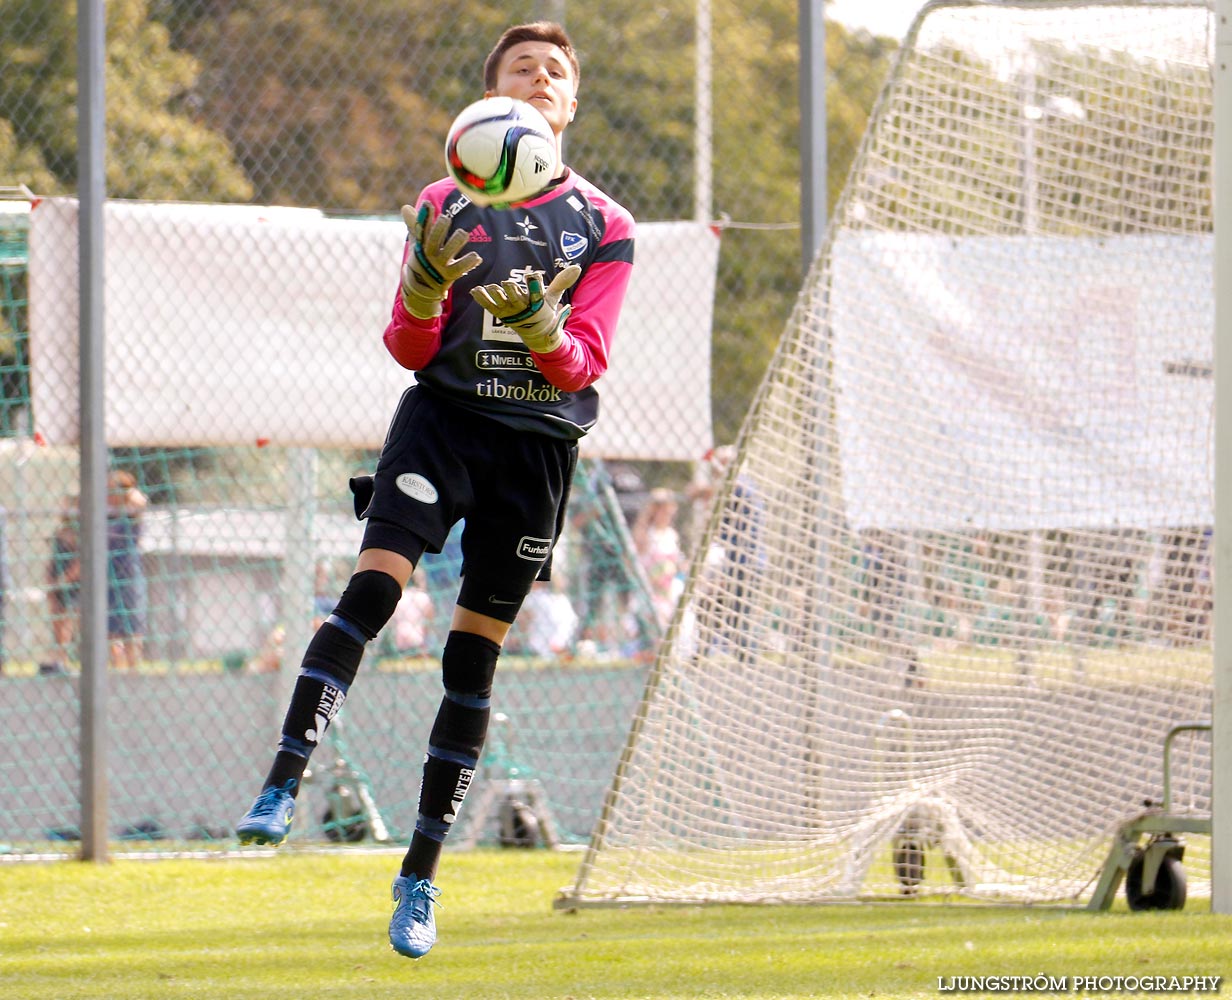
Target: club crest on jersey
{"points": [[572, 244], [416, 487]]}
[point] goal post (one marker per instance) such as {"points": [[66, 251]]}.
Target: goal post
{"points": [[957, 589], [1221, 852]]}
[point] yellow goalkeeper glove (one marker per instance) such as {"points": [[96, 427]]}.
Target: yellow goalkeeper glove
{"points": [[432, 265], [533, 312]]}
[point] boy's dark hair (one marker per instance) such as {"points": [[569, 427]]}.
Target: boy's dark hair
{"points": [[535, 31]]}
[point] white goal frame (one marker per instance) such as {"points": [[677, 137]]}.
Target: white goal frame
{"points": [[938, 813]]}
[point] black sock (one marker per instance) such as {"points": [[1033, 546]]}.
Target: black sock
{"points": [[422, 857], [286, 767]]}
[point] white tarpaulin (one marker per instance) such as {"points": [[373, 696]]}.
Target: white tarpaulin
{"points": [[1078, 398], [243, 324]]}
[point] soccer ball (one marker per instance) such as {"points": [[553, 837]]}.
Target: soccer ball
{"points": [[500, 151]]}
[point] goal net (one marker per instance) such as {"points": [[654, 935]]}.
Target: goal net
{"points": [[955, 590]]}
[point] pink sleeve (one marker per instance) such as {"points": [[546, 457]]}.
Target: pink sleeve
{"points": [[583, 357], [414, 342]]}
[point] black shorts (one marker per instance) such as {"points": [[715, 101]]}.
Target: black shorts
{"points": [[441, 463]]}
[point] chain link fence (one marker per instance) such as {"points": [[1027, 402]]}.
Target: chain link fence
{"points": [[257, 155]]}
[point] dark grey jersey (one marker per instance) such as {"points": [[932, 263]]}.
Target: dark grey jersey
{"points": [[482, 366]]}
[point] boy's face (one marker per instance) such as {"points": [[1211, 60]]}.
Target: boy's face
{"points": [[538, 73]]}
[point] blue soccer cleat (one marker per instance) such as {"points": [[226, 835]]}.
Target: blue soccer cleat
{"points": [[269, 820], [412, 928]]}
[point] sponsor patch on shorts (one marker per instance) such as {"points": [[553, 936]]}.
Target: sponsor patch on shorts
{"points": [[417, 487], [534, 549]]}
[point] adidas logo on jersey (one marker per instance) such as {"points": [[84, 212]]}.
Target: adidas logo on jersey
{"points": [[480, 235]]}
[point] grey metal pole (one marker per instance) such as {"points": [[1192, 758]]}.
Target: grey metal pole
{"points": [[813, 176], [91, 193], [703, 103], [1221, 712]]}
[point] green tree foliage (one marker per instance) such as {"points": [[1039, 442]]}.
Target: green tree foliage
{"points": [[154, 148], [757, 181], [23, 163], [858, 64], [338, 104], [640, 149]]}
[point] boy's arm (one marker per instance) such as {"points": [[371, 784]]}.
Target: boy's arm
{"points": [[583, 355], [596, 303], [430, 266], [413, 342]]}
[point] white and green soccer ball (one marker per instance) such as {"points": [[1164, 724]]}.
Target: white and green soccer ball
{"points": [[501, 151]]}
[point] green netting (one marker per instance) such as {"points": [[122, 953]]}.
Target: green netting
{"points": [[14, 326], [221, 623]]}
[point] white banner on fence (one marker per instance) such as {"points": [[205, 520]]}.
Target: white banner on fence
{"points": [[1084, 401], [235, 325]]}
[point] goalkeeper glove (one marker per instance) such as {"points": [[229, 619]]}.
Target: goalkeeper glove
{"points": [[432, 265], [533, 312]]}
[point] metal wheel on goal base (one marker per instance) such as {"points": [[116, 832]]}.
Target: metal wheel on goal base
{"points": [[1169, 888], [1153, 874]]}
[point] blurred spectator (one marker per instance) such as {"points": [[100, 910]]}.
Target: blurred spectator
{"points": [[707, 476], [412, 619], [323, 590], [599, 577], [1181, 591], [735, 555], [883, 575], [126, 583], [63, 587], [740, 534], [658, 550], [268, 659], [551, 623], [1106, 575]]}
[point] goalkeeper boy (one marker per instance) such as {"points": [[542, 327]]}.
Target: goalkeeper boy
{"points": [[506, 341]]}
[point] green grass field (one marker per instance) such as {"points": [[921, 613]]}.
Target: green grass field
{"points": [[313, 925]]}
